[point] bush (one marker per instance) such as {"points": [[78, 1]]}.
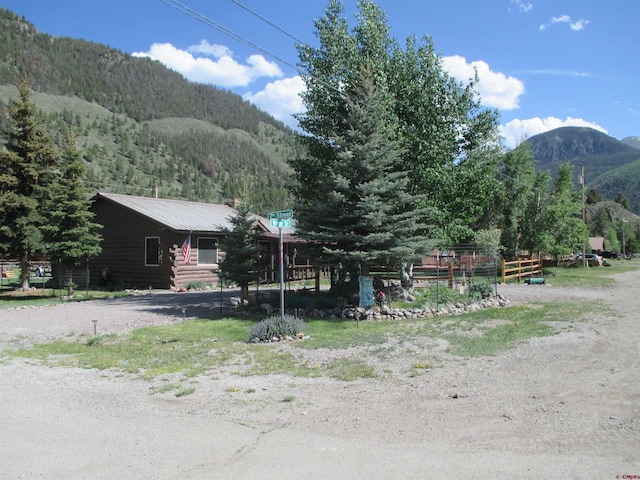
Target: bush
{"points": [[196, 285], [277, 327], [441, 294], [480, 289]]}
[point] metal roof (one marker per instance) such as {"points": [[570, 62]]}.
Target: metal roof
{"points": [[177, 215], [180, 215]]}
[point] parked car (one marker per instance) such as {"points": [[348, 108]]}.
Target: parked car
{"points": [[592, 258]]}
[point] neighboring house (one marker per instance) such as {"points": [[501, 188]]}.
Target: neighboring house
{"points": [[597, 244], [145, 242]]}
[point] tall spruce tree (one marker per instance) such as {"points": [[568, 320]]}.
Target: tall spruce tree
{"points": [[242, 251], [70, 234], [448, 141], [367, 214], [28, 169]]}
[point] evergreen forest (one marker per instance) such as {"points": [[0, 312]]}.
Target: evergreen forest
{"points": [[142, 127]]}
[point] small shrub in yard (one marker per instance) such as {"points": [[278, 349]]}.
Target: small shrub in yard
{"points": [[196, 285], [276, 327], [480, 289]]}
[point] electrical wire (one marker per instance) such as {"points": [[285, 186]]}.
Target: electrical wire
{"points": [[181, 7], [211, 23]]}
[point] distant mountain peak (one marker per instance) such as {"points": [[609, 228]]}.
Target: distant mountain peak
{"points": [[611, 166], [632, 142], [563, 144]]}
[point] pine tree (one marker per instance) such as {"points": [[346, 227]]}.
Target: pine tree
{"points": [[70, 234], [449, 142], [27, 172], [242, 251], [360, 208]]}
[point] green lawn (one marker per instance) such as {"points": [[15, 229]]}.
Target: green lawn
{"points": [[591, 276]]}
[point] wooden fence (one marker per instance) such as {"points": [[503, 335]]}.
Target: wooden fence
{"points": [[520, 268]]}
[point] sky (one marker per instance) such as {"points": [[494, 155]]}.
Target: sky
{"points": [[543, 64]]}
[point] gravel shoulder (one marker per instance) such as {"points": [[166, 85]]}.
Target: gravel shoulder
{"points": [[565, 406]]}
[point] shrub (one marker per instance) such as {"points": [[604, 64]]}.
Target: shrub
{"points": [[441, 294], [196, 285], [274, 326], [480, 289]]}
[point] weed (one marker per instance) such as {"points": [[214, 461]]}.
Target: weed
{"points": [[349, 370], [164, 388], [183, 392], [288, 399], [94, 341]]}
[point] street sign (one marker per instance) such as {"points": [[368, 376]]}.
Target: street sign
{"points": [[281, 215], [281, 219], [280, 223]]}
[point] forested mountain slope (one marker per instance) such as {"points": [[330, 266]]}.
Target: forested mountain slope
{"points": [[141, 125], [611, 166]]}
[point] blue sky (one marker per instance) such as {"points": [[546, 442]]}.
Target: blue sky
{"points": [[542, 63]]}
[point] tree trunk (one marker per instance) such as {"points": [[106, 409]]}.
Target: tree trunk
{"points": [[406, 275], [70, 280], [24, 273]]}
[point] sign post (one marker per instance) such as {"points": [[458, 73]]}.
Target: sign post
{"points": [[281, 220]]}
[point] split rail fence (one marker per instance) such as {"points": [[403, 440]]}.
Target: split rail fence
{"points": [[521, 269]]}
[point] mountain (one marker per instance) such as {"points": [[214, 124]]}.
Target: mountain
{"points": [[141, 125], [611, 166], [632, 142]]}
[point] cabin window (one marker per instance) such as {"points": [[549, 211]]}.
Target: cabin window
{"points": [[152, 251], [207, 251]]}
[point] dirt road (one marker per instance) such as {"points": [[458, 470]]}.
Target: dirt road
{"points": [[565, 406]]}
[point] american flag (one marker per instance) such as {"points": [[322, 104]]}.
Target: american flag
{"points": [[186, 250]]}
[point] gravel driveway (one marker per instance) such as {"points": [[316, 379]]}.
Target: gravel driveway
{"points": [[566, 406]]}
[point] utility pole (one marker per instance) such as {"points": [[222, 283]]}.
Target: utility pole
{"points": [[584, 216], [624, 250]]}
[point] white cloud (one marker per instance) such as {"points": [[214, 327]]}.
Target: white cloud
{"points": [[495, 89], [212, 50], [224, 71], [523, 6], [579, 24], [281, 99], [516, 131], [576, 25]]}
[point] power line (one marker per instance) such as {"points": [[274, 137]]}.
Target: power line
{"points": [[280, 29], [211, 23]]}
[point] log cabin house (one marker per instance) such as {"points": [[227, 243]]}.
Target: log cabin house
{"points": [[144, 243]]}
